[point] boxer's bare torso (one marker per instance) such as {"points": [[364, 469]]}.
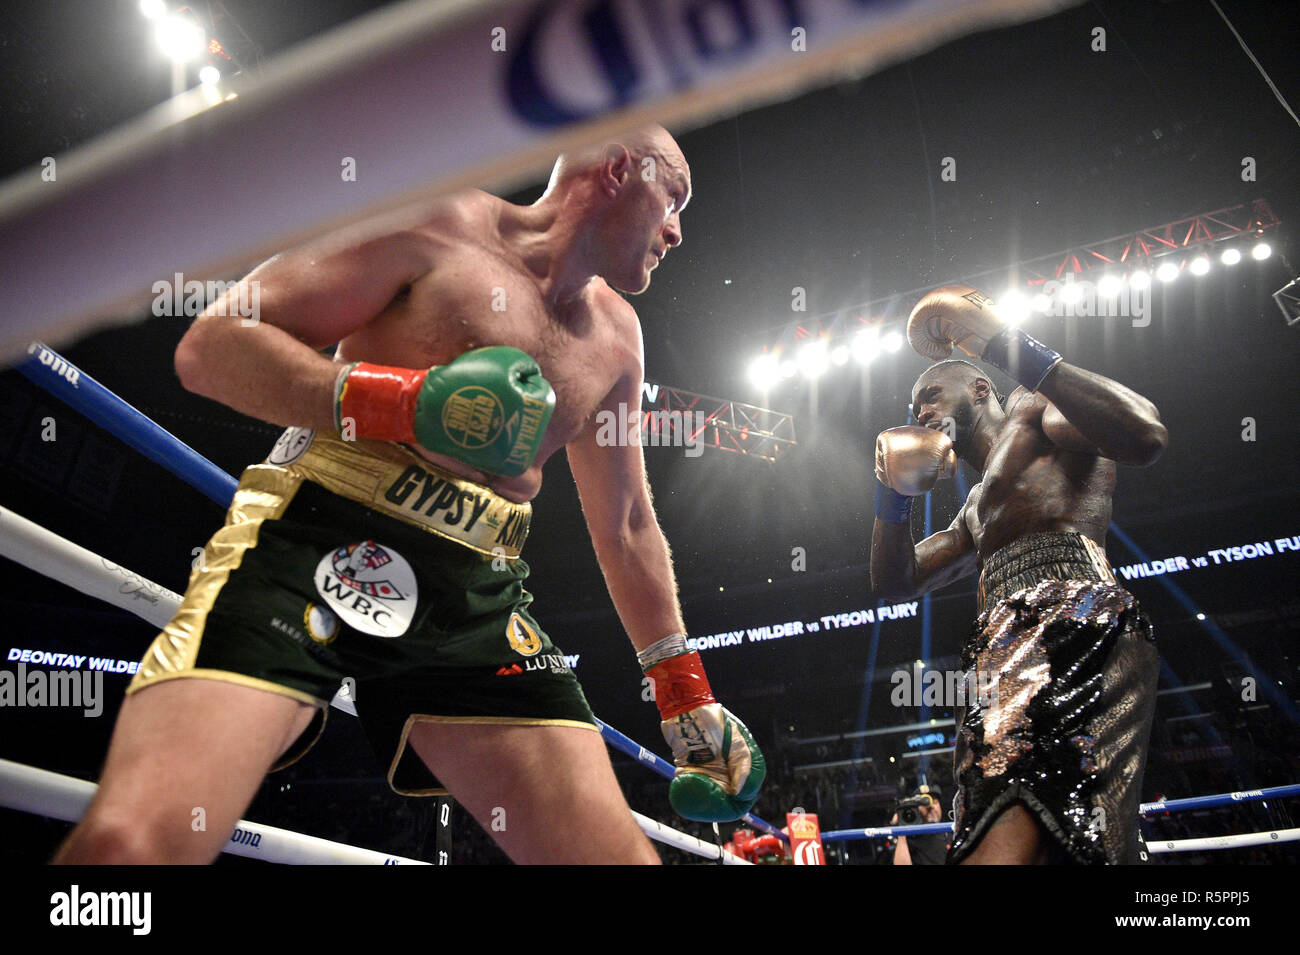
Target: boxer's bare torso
{"points": [[1031, 484], [479, 290]]}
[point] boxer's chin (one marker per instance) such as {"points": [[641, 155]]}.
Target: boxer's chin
{"points": [[634, 285]]}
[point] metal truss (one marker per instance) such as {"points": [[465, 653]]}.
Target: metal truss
{"points": [[1181, 238], [1193, 234], [675, 418]]}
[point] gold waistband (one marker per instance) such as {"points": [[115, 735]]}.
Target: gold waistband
{"points": [[1093, 554], [388, 478]]}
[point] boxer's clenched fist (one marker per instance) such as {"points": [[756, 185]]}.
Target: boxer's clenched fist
{"points": [[488, 408], [953, 315], [911, 460], [965, 317]]}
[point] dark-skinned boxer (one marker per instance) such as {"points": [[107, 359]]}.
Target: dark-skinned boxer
{"points": [[1048, 763]]}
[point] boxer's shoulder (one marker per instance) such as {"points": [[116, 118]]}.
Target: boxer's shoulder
{"points": [[624, 323], [471, 214], [1023, 404], [612, 303]]}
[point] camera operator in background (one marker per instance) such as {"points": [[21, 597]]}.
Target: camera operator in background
{"points": [[924, 807]]}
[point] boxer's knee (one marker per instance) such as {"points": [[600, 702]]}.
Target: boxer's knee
{"points": [[103, 838]]}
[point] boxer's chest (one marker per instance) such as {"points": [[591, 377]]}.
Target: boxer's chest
{"points": [[472, 299]]}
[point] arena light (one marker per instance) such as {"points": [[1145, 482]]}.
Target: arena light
{"points": [[865, 346], [812, 359], [1109, 285], [1014, 305], [1042, 303], [788, 369], [1071, 293], [1139, 280], [179, 37], [764, 370], [1200, 265], [209, 76], [839, 354], [1167, 272], [1261, 251], [892, 342], [1230, 256], [153, 9]]}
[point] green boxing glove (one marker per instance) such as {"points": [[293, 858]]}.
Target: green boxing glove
{"points": [[719, 767], [488, 408]]}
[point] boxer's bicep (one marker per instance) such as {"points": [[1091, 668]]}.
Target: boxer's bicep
{"points": [[323, 293], [606, 458]]}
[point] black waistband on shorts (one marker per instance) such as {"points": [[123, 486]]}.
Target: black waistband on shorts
{"points": [[1049, 555]]}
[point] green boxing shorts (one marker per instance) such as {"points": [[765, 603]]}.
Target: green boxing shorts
{"points": [[360, 564]]}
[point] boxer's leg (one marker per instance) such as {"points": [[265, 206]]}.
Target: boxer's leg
{"points": [[1014, 838], [186, 759], [546, 794]]}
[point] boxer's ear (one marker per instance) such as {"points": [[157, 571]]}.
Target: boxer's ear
{"points": [[616, 166]]}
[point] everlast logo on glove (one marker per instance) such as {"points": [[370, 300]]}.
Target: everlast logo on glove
{"points": [[532, 422]]}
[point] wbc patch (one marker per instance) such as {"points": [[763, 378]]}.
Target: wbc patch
{"points": [[371, 587]]}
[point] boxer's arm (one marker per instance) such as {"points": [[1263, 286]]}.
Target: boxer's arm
{"points": [[901, 569], [307, 298], [1093, 414], [902, 855], [630, 547]]}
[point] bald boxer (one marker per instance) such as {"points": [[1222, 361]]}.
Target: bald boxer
{"points": [[380, 540], [1049, 762]]}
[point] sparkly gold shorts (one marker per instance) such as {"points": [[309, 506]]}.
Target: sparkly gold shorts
{"points": [[1071, 667]]}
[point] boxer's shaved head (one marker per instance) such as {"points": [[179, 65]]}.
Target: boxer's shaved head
{"points": [[958, 372], [650, 142], [619, 204], [948, 396]]}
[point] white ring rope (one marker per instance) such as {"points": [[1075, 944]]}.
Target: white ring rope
{"points": [[680, 840], [44, 793], [467, 114], [45, 552], [1268, 838], [56, 557]]}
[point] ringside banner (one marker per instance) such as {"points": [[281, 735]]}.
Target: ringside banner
{"points": [[478, 94]]}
